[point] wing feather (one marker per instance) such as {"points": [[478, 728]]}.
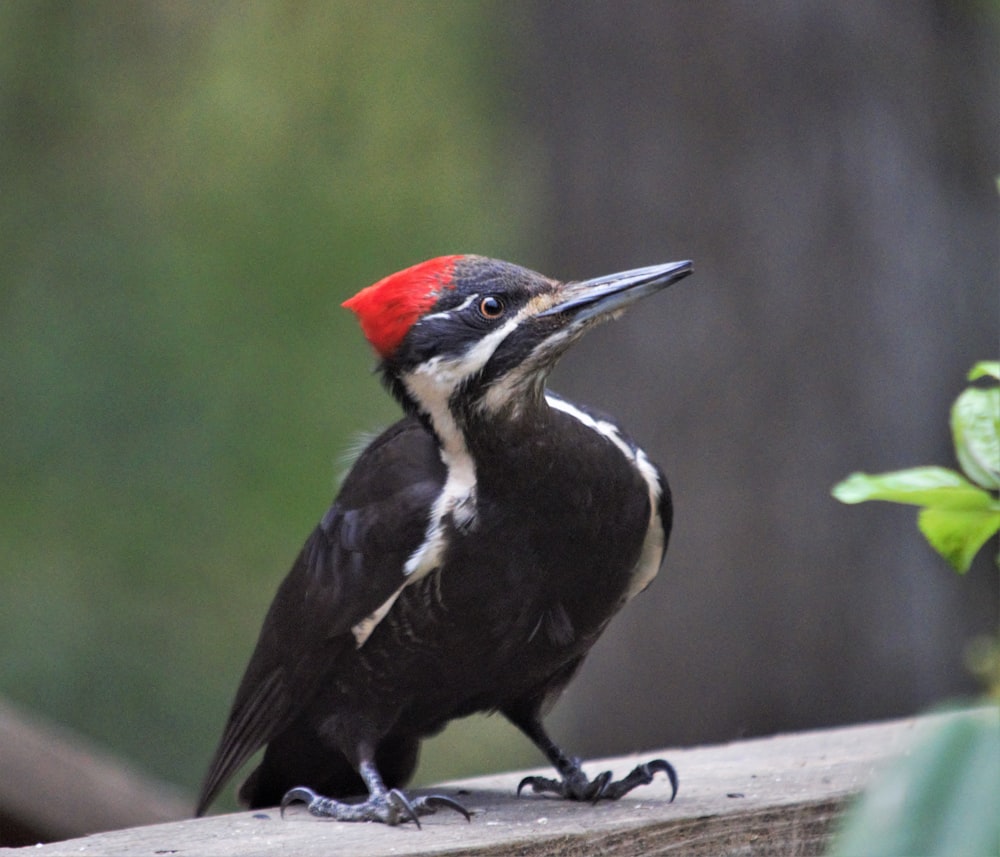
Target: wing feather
{"points": [[349, 566]]}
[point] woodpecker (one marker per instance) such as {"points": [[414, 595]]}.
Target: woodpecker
{"points": [[474, 554]]}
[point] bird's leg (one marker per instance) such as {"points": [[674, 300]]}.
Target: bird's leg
{"points": [[389, 806], [574, 784]]}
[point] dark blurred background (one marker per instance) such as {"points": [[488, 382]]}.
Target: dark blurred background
{"points": [[189, 190]]}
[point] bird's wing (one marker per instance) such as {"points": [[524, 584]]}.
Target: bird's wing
{"points": [[349, 566]]}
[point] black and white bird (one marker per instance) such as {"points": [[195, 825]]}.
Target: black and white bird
{"points": [[475, 552]]}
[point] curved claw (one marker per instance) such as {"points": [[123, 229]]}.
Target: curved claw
{"points": [[598, 785], [389, 807], [300, 794], [664, 766], [397, 799], [539, 785], [575, 785], [434, 802], [642, 775]]}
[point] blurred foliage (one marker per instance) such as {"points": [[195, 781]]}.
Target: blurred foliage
{"points": [[188, 192], [939, 800]]}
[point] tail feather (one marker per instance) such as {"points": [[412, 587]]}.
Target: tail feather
{"points": [[297, 758]]}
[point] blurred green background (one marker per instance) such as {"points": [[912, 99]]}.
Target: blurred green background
{"points": [[188, 190]]}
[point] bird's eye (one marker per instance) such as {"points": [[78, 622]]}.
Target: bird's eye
{"points": [[491, 307]]}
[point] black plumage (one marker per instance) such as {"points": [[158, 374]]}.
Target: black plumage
{"points": [[474, 554]]}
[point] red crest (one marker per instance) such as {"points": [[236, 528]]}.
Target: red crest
{"points": [[389, 308]]}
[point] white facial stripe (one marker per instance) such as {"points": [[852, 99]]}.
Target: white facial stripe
{"points": [[446, 313], [652, 547], [509, 391], [433, 382], [432, 385]]}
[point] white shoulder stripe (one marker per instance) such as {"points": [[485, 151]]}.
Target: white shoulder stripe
{"points": [[652, 546], [602, 427]]}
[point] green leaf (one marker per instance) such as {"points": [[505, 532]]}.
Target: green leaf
{"points": [[985, 368], [940, 800], [958, 534], [975, 427], [920, 486]]}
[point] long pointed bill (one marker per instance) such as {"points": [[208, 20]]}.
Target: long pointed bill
{"points": [[604, 295]]}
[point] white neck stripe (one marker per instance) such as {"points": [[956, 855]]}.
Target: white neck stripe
{"points": [[652, 546]]}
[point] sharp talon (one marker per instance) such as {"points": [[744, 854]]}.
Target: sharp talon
{"points": [[433, 802], [598, 786], [668, 769], [574, 784], [543, 784], [527, 781], [300, 794], [401, 802]]}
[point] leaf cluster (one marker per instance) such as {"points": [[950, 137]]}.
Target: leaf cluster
{"points": [[941, 798], [959, 513]]}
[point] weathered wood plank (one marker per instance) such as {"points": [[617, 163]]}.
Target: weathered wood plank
{"points": [[766, 796]]}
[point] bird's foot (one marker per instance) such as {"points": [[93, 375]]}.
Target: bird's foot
{"points": [[576, 786], [390, 807]]}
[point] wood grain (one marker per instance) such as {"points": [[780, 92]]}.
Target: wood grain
{"points": [[770, 796]]}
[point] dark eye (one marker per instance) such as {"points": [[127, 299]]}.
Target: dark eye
{"points": [[491, 307]]}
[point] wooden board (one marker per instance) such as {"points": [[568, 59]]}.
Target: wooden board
{"points": [[777, 796]]}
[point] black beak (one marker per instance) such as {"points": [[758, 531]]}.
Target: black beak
{"points": [[605, 295]]}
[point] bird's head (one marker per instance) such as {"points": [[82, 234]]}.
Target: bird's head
{"points": [[481, 335]]}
